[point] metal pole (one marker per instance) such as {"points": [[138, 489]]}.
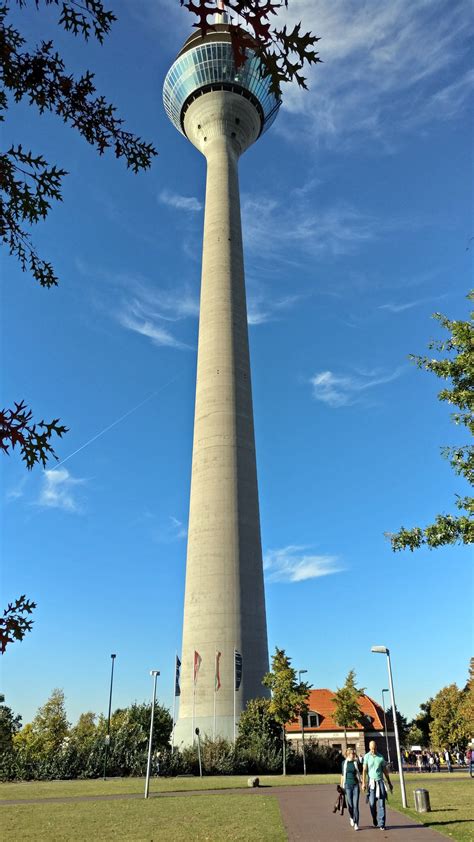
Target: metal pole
{"points": [[397, 739], [300, 673], [385, 725], [199, 752], [107, 738], [302, 742], [154, 673], [234, 690], [174, 702]]}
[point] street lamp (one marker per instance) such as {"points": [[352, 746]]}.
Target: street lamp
{"points": [[107, 736], [385, 723], [154, 674], [384, 650], [300, 673]]}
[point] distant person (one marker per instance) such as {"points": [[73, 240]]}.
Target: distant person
{"points": [[350, 782], [470, 761], [447, 758], [374, 770]]}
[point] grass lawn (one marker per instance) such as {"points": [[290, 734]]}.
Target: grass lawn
{"points": [[118, 786], [215, 818], [451, 799]]}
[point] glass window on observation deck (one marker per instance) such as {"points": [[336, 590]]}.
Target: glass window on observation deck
{"points": [[210, 64]]}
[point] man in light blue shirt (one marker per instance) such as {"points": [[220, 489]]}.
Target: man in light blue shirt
{"points": [[374, 769]]}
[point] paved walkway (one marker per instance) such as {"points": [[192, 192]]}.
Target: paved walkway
{"points": [[306, 812], [308, 817]]}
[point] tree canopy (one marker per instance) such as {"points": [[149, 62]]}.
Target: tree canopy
{"points": [[457, 368], [347, 712], [289, 696]]}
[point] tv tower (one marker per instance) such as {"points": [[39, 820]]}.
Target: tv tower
{"points": [[222, 110]]}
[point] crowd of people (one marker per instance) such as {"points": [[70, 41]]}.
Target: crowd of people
{"points": [[434, 761]]}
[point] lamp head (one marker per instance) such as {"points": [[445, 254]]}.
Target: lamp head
{"points": [[154, 672], [113, 656], [381, 650]]}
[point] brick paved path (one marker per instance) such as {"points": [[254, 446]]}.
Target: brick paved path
{"points": [[306, 812], [308, 817]]}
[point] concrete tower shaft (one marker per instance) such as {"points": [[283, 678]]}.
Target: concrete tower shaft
{"points": [[224, 598]]}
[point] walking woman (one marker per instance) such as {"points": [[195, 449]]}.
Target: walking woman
{"points": [[350, 782]]}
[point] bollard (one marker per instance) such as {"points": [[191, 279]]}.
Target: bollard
{"points": [[422, 801], [253, 782]]}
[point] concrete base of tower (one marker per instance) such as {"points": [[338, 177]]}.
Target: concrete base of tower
{"points": [[184, 731]]}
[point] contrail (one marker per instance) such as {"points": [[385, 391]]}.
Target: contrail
{"points": [[117, 421]]}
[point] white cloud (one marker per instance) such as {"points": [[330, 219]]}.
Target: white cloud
{"points": [[292, 229], [147, 327], [388, 67], [170, 531], [262, 309], [342, 390], [58, 489], [174, 200], [295, 564]]}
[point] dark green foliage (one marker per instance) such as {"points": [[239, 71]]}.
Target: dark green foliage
{"points": [[9, 726], [457, 367], [347, 712], [15, 623], [16, 428], [402, 722], [28, 183]]}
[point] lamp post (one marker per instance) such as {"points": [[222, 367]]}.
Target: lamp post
{"points": [[153, 673], [385, 724], [384, 650], [107, 736], [300, 673]]}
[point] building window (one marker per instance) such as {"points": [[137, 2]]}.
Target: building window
{"points": [[311, 719]]}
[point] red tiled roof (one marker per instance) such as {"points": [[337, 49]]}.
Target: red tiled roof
{"points": [[320, 701]]}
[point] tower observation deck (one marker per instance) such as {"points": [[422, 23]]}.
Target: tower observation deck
{"points": [[222, 110]]}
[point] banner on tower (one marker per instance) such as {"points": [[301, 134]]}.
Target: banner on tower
{"points": [[197, 664], [217, 678], [177, 688], [237, 668]]}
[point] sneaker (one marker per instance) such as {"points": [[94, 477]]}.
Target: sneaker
{"points": [[356, 827], [352, 822]]}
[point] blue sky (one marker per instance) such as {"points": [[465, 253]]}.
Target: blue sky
{"points": [[357, 209]]}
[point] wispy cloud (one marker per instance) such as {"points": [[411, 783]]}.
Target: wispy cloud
{"points": [[169, 531], [145, 307], [296, 564], [408, 305], [263, 308], [58, 491], [342, 390], [17, 491], [299, 228], [388, 67], [174, 200]]}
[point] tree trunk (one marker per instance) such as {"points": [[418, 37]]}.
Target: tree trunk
{"points": [[345, 739], [284, 750]]}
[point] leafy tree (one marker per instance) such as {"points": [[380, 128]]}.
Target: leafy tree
{"points": [[347, 712], [423, 722], [449, 729], [257, 723], [402, 722], [283, 53], [50, 726], [289, 696], [15, 623], [414, 736], [9, 726], [33, 440], [29, 184], [468, 700], [456, 367]]}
